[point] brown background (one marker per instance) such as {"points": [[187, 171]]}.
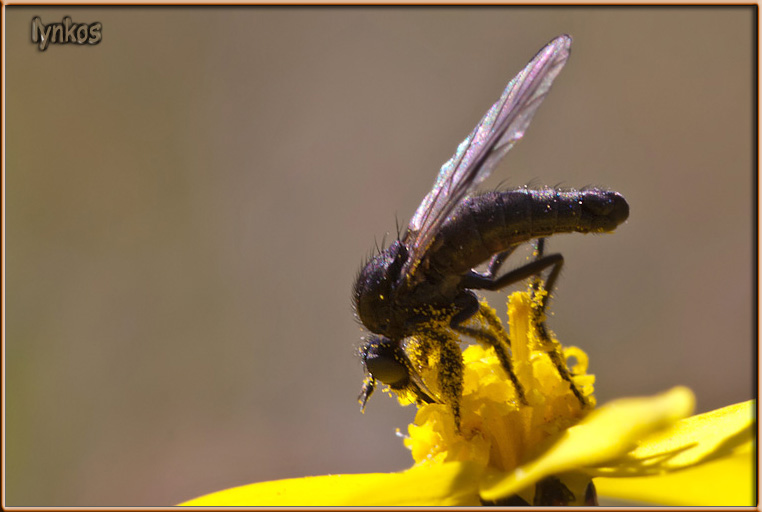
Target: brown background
{"points": [[188, 203]]}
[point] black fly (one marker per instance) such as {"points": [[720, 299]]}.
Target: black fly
{"points": [[429, 272]]}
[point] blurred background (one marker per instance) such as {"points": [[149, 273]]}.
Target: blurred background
{"points": [[188, 203]]}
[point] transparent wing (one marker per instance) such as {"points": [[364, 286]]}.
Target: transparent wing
{"points": [[503, 124]]}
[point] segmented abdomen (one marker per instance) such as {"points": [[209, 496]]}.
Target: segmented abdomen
{"points": [[491, 223]]}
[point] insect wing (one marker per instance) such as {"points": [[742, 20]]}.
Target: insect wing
{"points": [[500, 128]]}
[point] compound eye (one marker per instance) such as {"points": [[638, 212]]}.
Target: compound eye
{"points": [[385, 361]]}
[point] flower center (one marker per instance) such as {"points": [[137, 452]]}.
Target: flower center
{"points": [[498, 430]]}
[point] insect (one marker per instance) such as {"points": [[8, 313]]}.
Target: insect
{"points": [[429, 271]]}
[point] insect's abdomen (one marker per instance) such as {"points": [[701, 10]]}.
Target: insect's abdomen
{"points": [[493, 222]]}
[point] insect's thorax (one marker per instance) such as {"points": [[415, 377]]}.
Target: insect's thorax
{"points": [[394, 305]]}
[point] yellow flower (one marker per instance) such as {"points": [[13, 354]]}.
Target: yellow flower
{"points": [[546, 449]]}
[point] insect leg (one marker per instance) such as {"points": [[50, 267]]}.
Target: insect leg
{"points": [[532, 269], [497, 261], [368, 387], [539, 320], [471, 306], [476, 281], [550, 282], [494, 322], [418, 356], [450, 370]]}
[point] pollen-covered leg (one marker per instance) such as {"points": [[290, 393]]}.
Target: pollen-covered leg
{"points": [[489, 315], [502, 355], [368, 386], [495, 337], [541, 292], [498, 339], [555, 354], [450, 372]]}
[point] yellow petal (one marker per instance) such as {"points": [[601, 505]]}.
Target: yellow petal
{"points": [[453, 483], [691, 441], [729, 481], [717, 448], [602, 436]]}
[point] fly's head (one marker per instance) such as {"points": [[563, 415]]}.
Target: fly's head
{"points": [[387, 361], [383, 360], [374, 292]]}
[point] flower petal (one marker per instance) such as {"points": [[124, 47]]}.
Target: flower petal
{"points": [[691, 441], [717, 448], [729, 481], [604, 435], [453, 483]]}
